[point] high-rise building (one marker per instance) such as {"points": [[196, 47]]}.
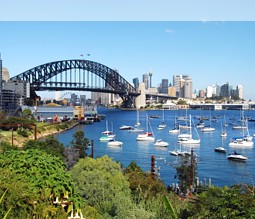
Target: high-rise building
{"points": [[164, 86], [179, 83], [146, 80], [136, 83], [188, 88], [224, 90], [239, 91]]}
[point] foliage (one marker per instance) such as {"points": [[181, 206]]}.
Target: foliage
{"points": [[183, 173], [181, 102], [27, 114], [51, 145], [223, 202], [80, 143], [103, 185], [142, 183], [147, 192], [23, 132], [39, 178]]}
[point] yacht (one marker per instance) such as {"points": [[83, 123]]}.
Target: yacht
{"points": [[237, 157]]}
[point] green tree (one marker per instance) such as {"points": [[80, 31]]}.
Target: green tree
{"points": [[217, 202], [27, 114], [80, 143], [51, 145], [185, 170], [103, 186]]}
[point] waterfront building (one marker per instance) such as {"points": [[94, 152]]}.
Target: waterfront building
{"points": [[202, 93], [146, 81]]}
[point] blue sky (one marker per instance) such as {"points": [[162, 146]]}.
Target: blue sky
{"points": [[210, 52], [212, 41]]}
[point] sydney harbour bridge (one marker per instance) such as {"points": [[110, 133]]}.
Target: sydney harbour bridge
{"points": [[79, 75]]}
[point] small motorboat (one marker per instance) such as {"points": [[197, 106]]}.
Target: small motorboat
{"points": [[125, 127], [220, 150], [237, 157], [113, 142], [161, 143]]}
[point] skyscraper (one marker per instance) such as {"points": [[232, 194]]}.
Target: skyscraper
{"points": [[239, 91], [146, 80], [136, 83], [183, 86]]}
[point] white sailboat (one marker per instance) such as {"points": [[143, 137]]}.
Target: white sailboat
{"points": [[188, 139], [175, 129], [148, 135], [137, 127], [223, 131], [244, 141], [162, 125], [208, 128], [108, 133]]}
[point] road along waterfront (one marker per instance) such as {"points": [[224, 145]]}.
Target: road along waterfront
{"points": [[210, 163]]}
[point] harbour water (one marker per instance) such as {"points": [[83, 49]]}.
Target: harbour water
{"points": [[210, 163]]}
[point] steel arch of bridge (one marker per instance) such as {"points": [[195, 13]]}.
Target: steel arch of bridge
{"points": [[79, 74]]}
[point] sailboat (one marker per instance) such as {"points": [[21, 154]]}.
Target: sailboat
{"points": [[148, 135], [107, 135], [244, 141], [137, 125], [162, 125], [187, 139], [208, 128], [223, 131], [176, 128]]}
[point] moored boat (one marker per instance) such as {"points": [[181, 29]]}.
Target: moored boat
{"points": [[237, 157]]}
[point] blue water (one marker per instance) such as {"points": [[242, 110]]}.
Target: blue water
{"points": [[210, 164]]}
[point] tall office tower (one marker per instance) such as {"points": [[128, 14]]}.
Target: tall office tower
{"points": [[146, 81], [179, 84], [212, 91], [136, 83], [239, 91], [224, 90], [164, 86], [150, 74], [188, 88]]}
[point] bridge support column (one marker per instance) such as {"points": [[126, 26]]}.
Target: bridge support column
{"points": [[141, 99]]}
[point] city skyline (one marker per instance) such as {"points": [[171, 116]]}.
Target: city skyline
{"points": [[209, 52]]}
